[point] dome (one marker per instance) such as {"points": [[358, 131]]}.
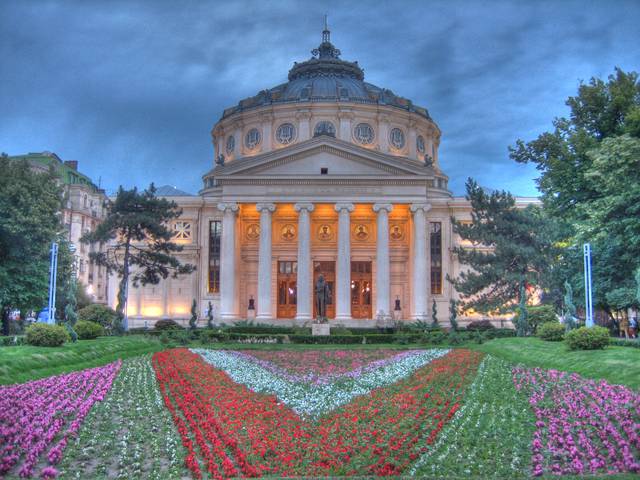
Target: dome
{"points": [[326, 78]]}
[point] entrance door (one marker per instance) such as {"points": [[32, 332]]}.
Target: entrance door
{"points": [[361, 289], [328, 271], [287, 289]]}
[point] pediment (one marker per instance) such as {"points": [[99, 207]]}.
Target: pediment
{"points": [[312, 157]]}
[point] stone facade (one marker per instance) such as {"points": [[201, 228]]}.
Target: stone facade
{"points": [[323, 175]]}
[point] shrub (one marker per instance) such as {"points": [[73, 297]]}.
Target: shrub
{"points": [[167, 324], [100, 314], [551, 331], [584, 338], [11, 341], [88, 330], [539, 315], [44, 335], [480, 325], [340, 330]]}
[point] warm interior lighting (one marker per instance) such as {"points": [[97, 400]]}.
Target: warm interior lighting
{"points": [[151, 311]]}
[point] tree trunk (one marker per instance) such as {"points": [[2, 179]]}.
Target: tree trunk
{"points": [[122, 293], [522, 326]]}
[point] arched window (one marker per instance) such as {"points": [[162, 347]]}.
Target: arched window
{"points": [[324, 127]]}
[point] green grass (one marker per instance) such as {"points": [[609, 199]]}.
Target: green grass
{"points": [[24, 363], [619, 365]]}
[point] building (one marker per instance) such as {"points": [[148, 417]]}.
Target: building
{"points": [[328, 175], [84, 209]]}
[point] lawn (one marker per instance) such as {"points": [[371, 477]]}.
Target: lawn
{"points": [[619, 365], [23, 363]]}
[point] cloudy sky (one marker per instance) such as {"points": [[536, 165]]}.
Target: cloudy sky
{"points": [[132, 89]]}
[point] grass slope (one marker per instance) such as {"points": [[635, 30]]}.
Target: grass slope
{"points": [[619, 365], [24, 363]]}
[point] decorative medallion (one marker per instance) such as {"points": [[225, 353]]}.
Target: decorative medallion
{"points": [[325, 233], [252, 139], [420, 144], [231, 143], [253, 231], [396, 137], [396, 233], [361, 232], [288, 232], [364, 133], [182, 230], [286, 133]]}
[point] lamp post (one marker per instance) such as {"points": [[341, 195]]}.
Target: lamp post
{"points": [[53, 273], [588, 300]]}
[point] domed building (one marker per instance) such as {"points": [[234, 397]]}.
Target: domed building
{"points": [[324, 175]]}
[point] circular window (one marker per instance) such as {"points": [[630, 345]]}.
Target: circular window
{"points": [[364, 133], [231, 144], [324, 127], [420, 144], [252, 139], [286, 133], [396, 136]]}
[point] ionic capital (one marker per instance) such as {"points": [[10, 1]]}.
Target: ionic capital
{"points": [[269, 207], [425, 207], [377, 207], [228, 207], [341, 207], [309, 207]]}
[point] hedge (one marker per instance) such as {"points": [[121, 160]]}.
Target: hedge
{"points": [[12, 340], [623, 342]]}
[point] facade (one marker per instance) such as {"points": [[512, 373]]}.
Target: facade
{"points": [[328, 175], [83, 211]]}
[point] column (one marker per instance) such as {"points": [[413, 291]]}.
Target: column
{"points": [[304, 127], [383, 132], [304, 310], [267, 121], [228, 261], [383, 277], [346, 116], [264, 262], [343, 264], [420, 267]]}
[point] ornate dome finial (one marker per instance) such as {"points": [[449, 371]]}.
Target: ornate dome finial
{"points": [[326, 48]]}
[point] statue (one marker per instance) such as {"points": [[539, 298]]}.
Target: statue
{"points": [[322, 298], [428, 161], [220, 160]]}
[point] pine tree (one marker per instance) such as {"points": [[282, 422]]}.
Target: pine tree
{"points": [[193, 321], [434, 314], [137, 233], [511, 249], [70, 314], [210, 315]]}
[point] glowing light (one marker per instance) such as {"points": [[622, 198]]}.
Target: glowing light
{"points": [[151, 311]]}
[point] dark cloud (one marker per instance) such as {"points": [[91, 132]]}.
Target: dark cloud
{"points": [[132, 89]]}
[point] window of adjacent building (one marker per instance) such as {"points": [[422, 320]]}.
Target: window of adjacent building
{"points": [[215, 234], [252, 139], [182, 230], [435, 239], [364, 133]]}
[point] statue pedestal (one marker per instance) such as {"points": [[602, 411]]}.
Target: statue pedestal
{"points": [[320, 329]]}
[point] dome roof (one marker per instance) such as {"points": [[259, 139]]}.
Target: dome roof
{"points": [[326, 78]]}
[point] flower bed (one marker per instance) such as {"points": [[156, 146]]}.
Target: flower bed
{"points": [[38, 418], [130, 434], [230, 430], [582, 426]]}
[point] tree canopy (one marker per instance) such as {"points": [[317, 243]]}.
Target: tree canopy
{"points": [[138, 237], [510, 249], [589, 178], [30, 206]]}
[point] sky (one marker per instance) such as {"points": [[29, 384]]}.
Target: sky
{"points": [[131, 89]]}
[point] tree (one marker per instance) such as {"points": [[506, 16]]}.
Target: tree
{"points": [[589, 174], [139, 242], [511, 250], [453, 315], [70, 314], [569, 307], [434, 314], [193, 321], [30, 205]]}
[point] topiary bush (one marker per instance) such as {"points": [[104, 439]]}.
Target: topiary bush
{"points": [[88, 330], [551, 332], [480, 325], [45, 335], [167, 324], [584, 338], [100, 314], [539, 315]]}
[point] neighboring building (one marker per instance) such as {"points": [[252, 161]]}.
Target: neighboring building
{"points": [[84, 210], [325, 174]]}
